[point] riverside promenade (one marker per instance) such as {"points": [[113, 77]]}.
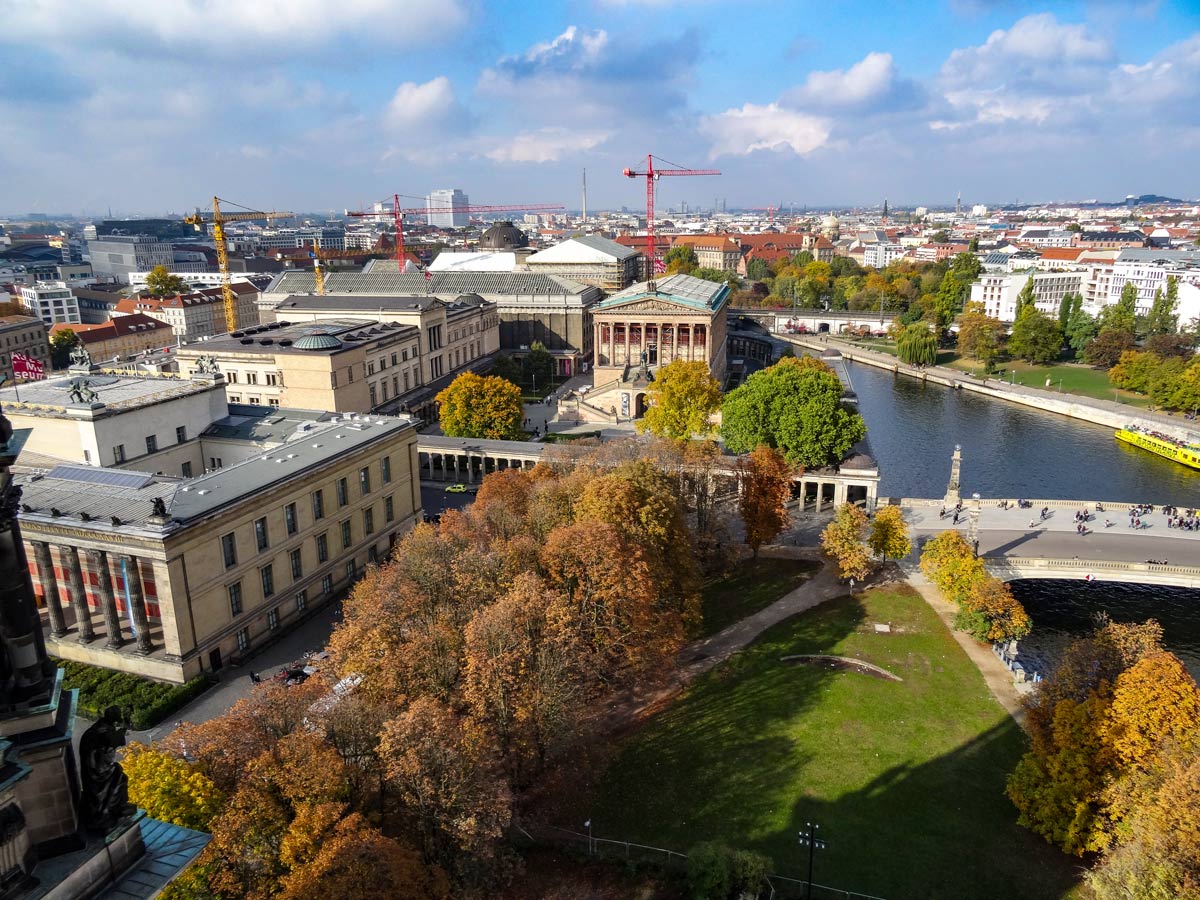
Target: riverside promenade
{"points": [[1100, 412]]}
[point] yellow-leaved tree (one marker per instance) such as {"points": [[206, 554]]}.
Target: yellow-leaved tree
{"points": [[481, 406], [170, 789], [889, 534], [842, 540], [683, 398]]}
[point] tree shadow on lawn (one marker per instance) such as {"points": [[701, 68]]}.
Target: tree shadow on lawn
{"points": [[939, 829]]}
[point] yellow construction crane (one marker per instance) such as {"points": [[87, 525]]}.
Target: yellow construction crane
{"points": [[218, 220]]}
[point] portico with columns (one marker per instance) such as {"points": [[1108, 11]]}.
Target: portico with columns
{"points": [[650, 325], [468, 460]]}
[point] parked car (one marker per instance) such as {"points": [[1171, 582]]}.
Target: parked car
{"points": [[456, 489]]}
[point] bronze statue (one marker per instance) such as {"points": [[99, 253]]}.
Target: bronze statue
{"points": [[81, 391], [207, 365], [80, 356], [105, 787]]}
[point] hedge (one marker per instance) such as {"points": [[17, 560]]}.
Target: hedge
{"points": [[145, 701]]}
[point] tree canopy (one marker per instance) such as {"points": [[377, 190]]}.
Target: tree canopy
{"points": [[161, 283], [1035, 336], [917, 345], [765, 481], [794, 407], [682, 399], [481, 406]]}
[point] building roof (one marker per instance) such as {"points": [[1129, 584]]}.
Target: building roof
{"points": [[121, 326], [1159, 255], [310, 446], [381, 278], [722, 242], [48, 397], [1132, 237], [684, 290], [1064, 254], [477, 261], [288, 338], [7, 322], [264, 424], [587, 248]]}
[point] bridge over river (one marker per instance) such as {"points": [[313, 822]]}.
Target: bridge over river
{"points": [[1018, 544]]}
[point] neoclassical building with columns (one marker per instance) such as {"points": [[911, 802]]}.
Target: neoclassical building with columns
{"points": [[649, 325]]}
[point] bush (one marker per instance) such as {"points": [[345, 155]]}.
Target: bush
{"points": [[717, 872], [145, 701]]}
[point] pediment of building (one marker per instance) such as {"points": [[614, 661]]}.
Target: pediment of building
{"points": [[639, 306]]}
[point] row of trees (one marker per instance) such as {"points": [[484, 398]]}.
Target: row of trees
{"points": [[987, 609], [1112, 764], [466, 667], [847, 542]]}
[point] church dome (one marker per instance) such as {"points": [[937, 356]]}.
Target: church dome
{"points": [[318, 340], [503, 236]]}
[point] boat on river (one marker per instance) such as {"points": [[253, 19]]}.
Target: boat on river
{"points": [[1165, 446]]}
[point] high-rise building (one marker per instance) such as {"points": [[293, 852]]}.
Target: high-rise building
{"points": [[447, 209]]}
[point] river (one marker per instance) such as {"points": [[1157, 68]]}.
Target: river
{"points": [[1016, 451]]}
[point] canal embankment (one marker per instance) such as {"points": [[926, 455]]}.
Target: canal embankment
{"points": [[1098, 412]]}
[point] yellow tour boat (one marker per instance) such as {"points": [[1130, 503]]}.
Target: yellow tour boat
{"points": [[1181, 452]]}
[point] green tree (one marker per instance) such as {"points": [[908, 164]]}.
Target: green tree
{"points": [[917, 345], [889, 534], [965, 267], [1064, 310], [1025, 297], [1081, 327], [1164, 315], [757, 270], [797, 409], [683, 398], [62, 342], [161, 283], [478, 406], [1035, 336], [539, 364], [680, 259], [504, 366], [941, 236], [979, 335], [1122, 315]]}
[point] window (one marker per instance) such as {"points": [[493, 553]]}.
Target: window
{"points": [[260, 533], [87, 456], [235, 599], [404, 355], [272, 378], [368, 521], [394, 357], [180, 434], [186, 469], [374, 397], [389, 512], [347, 535], [289, 518], [351, 570], [385, 469], [243, 640], [318, 501], [233, 378], [229, 549], [297, 567], [273, 619], [214, 462], [301, 601], [235, 398], [272, 401], [333, 379], [364, 480], [251, 378], [268, 580], [343, 493], [327, 585], [119, 453], [322, 548]]}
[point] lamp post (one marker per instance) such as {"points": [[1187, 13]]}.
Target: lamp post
{"points": [[808, 839], [588, 825]]}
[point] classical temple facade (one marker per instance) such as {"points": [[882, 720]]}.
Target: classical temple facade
{"points": [[648, 325]]}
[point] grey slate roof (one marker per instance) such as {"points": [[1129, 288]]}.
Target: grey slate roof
{"points": [[169, 848], [682, 289], [381, 278]]}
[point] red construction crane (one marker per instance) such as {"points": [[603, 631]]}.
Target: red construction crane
{"points": [[769, 210], [651, 175], [400, 212]]}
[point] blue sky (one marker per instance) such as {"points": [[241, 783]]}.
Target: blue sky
{"points": [[309, 105]]}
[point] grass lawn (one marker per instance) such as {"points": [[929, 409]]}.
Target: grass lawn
{"points": [[1070, 378], [753, 585], [905, 779]]}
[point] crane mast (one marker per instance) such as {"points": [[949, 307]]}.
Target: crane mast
{"points": [[652, 175]]}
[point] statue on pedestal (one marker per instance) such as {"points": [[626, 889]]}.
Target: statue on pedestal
{"points": [[80, 356], [81, 391], [105, 786]]}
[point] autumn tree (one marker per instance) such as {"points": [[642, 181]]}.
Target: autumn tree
{"points": [[889, 534], [682, 399], [1105, 349], [169, 788], [161, 283], [765, 486], [950, 563], [842, 541], [481, 406], [990, 612], [980, 336], [796, 408]]}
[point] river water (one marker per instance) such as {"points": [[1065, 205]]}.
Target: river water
{"points": [[1016, 451]]}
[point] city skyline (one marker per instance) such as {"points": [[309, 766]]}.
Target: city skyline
{"points": [[290, 106]]}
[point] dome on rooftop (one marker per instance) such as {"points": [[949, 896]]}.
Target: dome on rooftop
{"points": [[503, 236], [318, 340]]}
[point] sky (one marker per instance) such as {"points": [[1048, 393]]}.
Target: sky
{"points": [[152, 107]]}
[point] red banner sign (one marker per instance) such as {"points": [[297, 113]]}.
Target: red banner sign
{"points": [[27, 367]]}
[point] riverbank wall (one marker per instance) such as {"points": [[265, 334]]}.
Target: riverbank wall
{"points": [[1098, 412]]}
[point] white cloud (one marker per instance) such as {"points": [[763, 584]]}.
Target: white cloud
{"points": [[429, 106], [737, 132], [230, 24], [544, 145], [866, 80]]}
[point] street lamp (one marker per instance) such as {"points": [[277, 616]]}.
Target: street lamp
{"points": [[809, 839]]}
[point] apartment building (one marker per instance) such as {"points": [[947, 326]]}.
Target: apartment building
{"points": [[121, 338], [22, 334], [998, 291], [196, 315], [53, 301], [119, 255]]}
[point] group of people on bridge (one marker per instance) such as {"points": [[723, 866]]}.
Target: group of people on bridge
{"points": [[1188, 520]]}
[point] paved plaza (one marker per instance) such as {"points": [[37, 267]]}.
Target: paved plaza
{"points": [[1007, 532]]}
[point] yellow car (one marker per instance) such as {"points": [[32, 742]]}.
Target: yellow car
{"points": [[456, 489]]}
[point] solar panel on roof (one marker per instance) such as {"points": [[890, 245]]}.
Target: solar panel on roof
{"points": [[94, 475]]}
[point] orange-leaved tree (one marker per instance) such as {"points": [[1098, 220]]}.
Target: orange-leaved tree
{"points": [[765, 486], [843, 538]]}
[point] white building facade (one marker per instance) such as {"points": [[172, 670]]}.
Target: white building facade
{"points": [[447, 209], [52, 301]]}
